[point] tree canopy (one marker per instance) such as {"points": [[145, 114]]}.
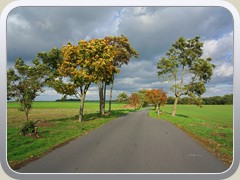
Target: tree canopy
{"points": [[187, 68], [26, 82]]}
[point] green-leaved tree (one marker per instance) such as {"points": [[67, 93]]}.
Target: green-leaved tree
{"points": [[187, 68], [26, 82]]}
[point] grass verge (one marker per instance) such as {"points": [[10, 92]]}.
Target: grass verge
{"points": [[211, 126]]}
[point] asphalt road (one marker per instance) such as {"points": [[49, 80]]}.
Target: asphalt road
{"points": [[134, 143]]}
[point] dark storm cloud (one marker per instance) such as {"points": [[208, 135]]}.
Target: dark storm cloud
{"points": [[151, 31], [34, 29]]}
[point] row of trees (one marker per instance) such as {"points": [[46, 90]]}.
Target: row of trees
{"points": [[71, 71], [142, 98], [214, 100]]}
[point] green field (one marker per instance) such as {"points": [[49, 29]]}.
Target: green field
{"points": [[59, 125], [211, 126]]}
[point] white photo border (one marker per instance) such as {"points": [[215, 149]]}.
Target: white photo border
{"points": [[127, 3]]}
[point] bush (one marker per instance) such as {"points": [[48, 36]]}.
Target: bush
{"points": [[29, 128]]}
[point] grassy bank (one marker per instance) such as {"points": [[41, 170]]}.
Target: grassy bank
{"points": [[59, 125], [211, 126]]}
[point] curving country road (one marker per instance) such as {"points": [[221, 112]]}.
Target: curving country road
{"points": [[134, 143]]}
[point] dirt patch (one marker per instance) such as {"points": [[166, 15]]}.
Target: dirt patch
{"points": [[128, 106], [44, 124]]}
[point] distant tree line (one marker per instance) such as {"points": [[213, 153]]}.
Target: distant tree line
{"points": [[214, 100]]}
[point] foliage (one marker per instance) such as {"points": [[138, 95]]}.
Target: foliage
{"points": [[157, 97], [214, 100], [135, 100], [221, 100], [143, 100], [170, 100], [186, 67], [122, 97], [25, 83]]}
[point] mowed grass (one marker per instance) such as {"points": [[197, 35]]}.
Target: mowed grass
{"points": [[211, 126], [60, 125]]}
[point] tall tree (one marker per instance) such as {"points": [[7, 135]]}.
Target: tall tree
{"points": [[83, 64], [185, 65], [26, 82], [124, 52], [103, 66], [76, 68]]}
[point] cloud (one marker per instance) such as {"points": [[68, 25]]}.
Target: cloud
{"points": [[151, 31], [224, 70], [221, 50]]}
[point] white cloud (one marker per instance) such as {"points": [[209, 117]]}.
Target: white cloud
{"points": [[224, 70], [18, 21], [219, 49]]}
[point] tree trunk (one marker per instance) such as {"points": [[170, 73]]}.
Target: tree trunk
{"points": [[104, 96], [81, 107], [101, 98], [157, 109], [110, 99], [175, 106], [26, 112]]}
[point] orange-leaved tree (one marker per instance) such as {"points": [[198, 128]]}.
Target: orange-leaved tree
{"points": [[135, 100], [157, 97]]}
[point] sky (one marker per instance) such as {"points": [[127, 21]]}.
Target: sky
{"points": [[150, 30]]}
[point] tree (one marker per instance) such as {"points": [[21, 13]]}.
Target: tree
{"points": [[83, 64], [157, 97], [135, 100], [143, 101], [77, 68], [53, 59], [186, 67], [26, 82], [122, 97], [103, 67], [124, 52]]}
